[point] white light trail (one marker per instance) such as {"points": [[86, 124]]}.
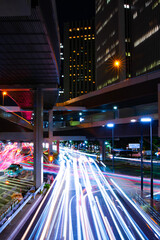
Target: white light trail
{"points": [[83, 205]]}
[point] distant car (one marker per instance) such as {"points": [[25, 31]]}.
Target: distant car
{"points": [[14, 170]]}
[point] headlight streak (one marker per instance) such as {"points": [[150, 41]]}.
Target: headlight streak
{"points": [[60, 174], [150, 223], [110, 206], [128, 216], [125, 211], [83, 205], [86, 228], [101, 233], [76, 179], [58, 214], [54, 198], [107, 225], [88, 188], [114, 221], [66, 201], [70, 220]]}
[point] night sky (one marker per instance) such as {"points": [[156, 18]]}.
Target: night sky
{"points": [[70, 10]]}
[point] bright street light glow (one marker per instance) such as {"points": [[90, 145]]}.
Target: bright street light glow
{"points": [[115, 107], [133, 120], [80, 114], [117, 63], [110, 125], [4, 93], [147, 119], [81, 119]]}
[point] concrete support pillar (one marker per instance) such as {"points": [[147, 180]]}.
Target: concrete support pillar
{"points": [[38, 137], [50, 131], [102, 150], [158, 110]]}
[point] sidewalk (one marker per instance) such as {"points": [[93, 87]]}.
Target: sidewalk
{"points": [[11, 231]]}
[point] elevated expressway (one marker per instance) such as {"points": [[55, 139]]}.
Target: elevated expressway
{"points": [[29, 69], [134, 98]]}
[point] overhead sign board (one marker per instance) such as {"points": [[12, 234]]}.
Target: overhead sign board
{"points": [[134, 145]]}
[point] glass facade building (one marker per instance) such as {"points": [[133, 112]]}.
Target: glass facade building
{"points": [[145, 25], [128, 31], [79, 58]]}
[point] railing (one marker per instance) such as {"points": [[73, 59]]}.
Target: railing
{"points": [[17, 208], [150, 210]]}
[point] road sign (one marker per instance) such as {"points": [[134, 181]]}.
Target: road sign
{"points": [[134, 145]]}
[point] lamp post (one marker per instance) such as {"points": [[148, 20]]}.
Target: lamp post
{"points": [[116, 112], [149, 120], [111, 125], [3, 93], [117, 65]]}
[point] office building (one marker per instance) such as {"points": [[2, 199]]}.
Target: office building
{"points": [[112, 41], [61, 86], [145, 36], [127, 31], [79, 58]]}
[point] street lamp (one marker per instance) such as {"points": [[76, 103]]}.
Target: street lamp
{"points": [[116, 112], [147, 120], [111, 125], [3, 93], [117, 65]]}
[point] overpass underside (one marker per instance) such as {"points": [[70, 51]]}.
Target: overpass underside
{"points": [[29, 67]]}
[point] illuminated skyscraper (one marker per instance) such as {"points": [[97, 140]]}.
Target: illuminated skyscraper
{"points": [[79, 58], [129, 31], [112, 41], [145, 36]]}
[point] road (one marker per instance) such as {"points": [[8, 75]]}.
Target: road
{"points": [[83, 204]]}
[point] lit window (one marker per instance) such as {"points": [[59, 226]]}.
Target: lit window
{"points": [[126, 5], [135, 15], [70, 30], [147, 35]]}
